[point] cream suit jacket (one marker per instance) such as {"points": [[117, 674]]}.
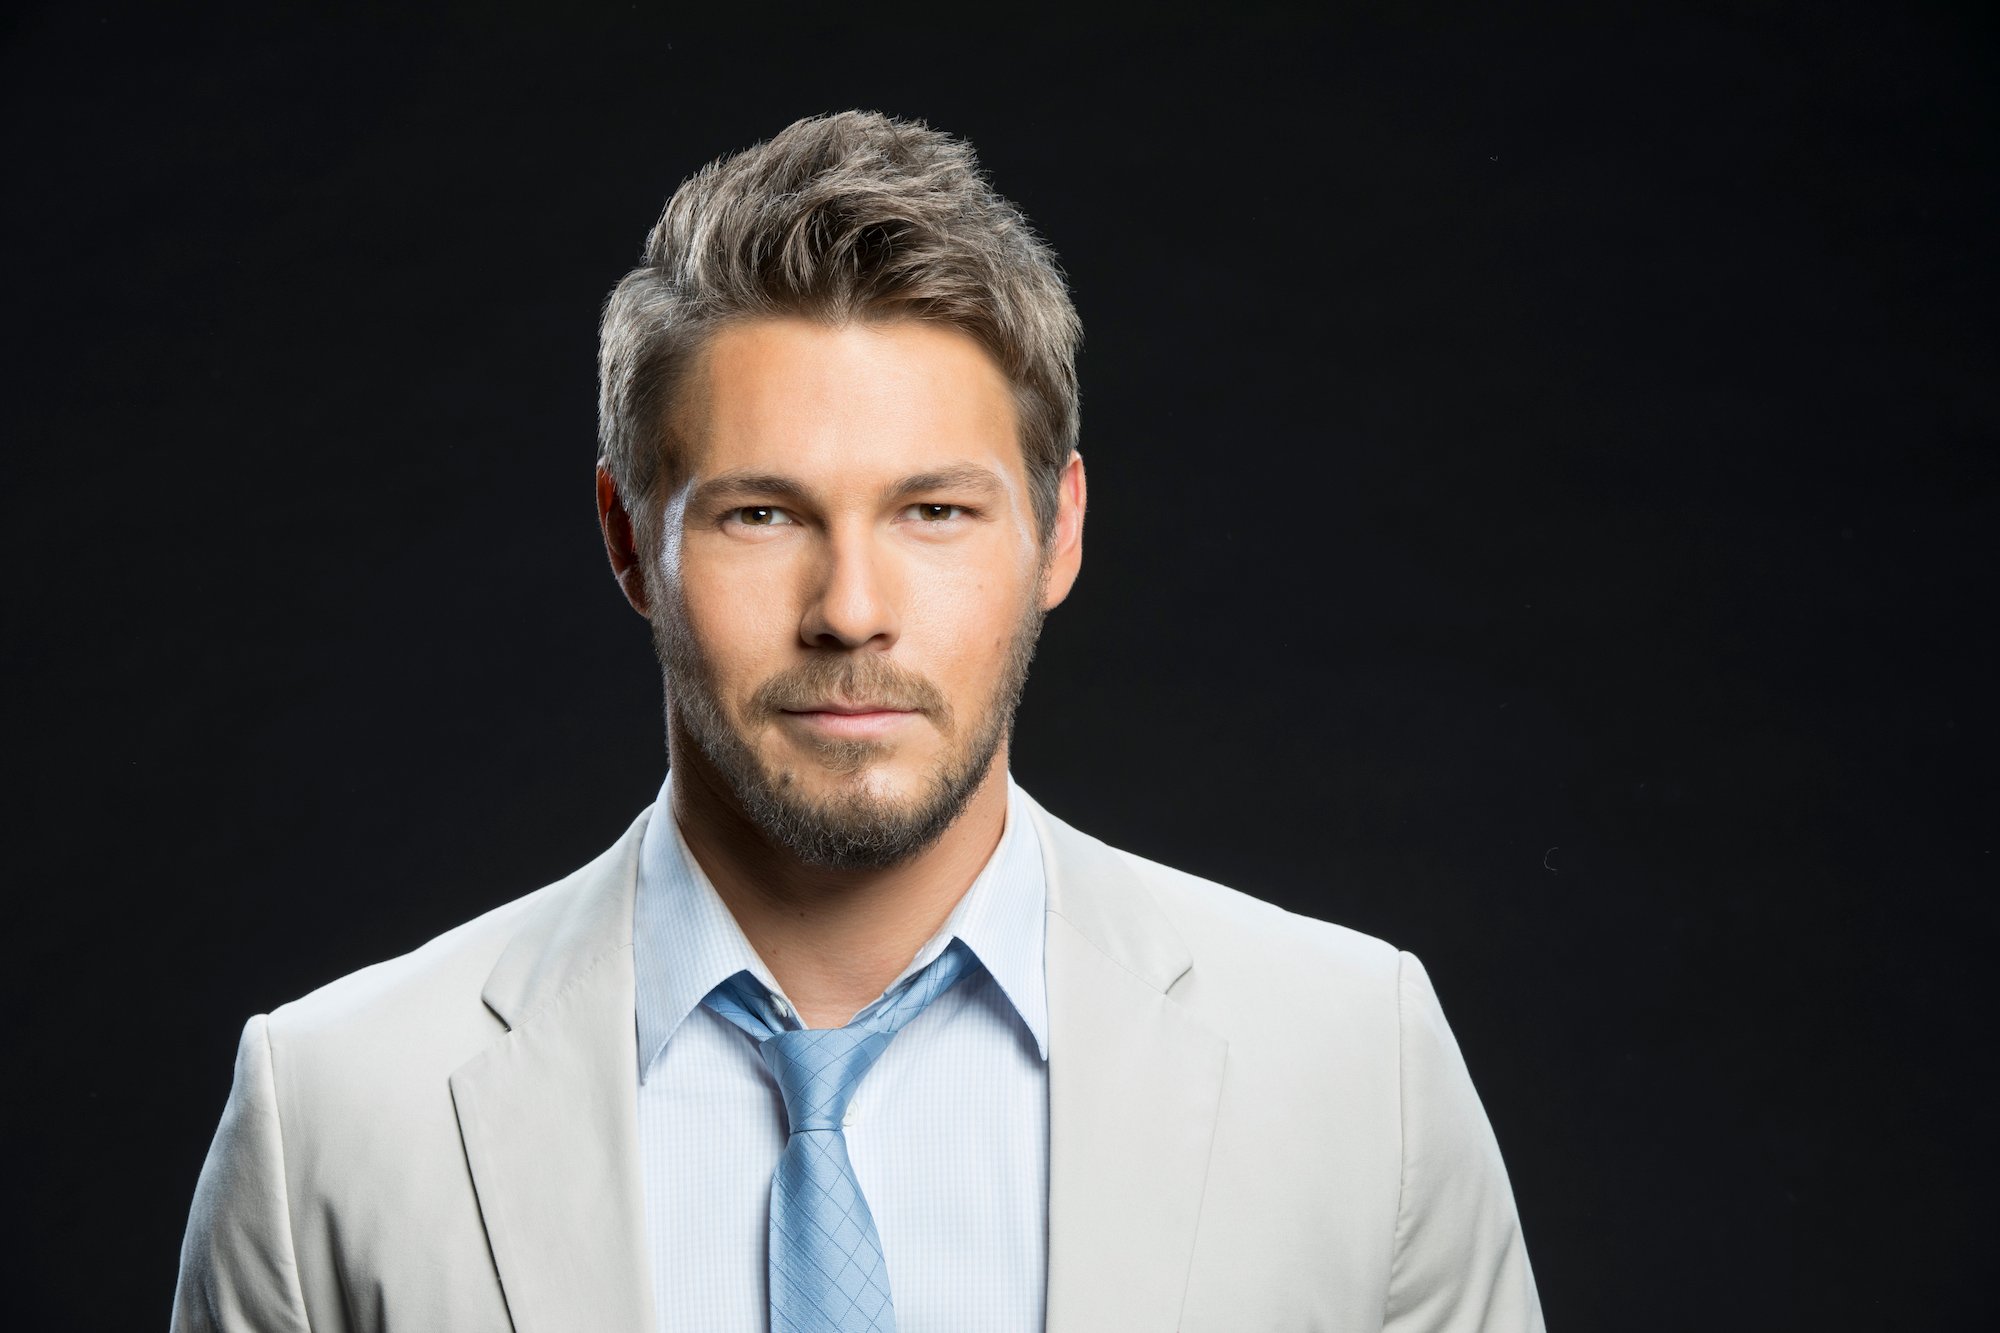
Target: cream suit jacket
{"points": [[1256, 1121]]}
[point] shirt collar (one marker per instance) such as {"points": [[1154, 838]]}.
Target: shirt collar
{"points": [[686, 942]]}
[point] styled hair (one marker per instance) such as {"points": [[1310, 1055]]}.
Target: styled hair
{"points": [[836, 218]]}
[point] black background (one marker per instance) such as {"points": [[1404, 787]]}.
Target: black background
{"points": [[1541, 472]]}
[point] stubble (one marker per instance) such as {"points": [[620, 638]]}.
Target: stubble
{"points": [[852, 828]]}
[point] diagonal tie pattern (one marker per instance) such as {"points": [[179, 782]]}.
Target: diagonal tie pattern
{"points": [[827, 1270]]}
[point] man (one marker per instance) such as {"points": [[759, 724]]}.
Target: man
{"points": [[846, 1031]]}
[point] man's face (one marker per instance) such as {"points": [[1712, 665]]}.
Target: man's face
{"points": [[850, 582]]}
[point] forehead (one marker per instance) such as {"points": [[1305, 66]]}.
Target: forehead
{"points": [[795, 396]]}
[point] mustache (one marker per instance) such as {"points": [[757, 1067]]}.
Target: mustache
{"points": [[860, 678]]}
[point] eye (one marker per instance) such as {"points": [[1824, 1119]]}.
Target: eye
{"points": [[938, 513], [759, 516]]}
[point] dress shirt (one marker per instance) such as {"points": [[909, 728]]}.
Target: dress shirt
{"points": [[948, 1132]]}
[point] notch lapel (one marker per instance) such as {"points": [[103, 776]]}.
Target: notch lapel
{"points": [[549, 1112], [1134, 1084]]}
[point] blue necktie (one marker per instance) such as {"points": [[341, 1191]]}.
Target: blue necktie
{"points": [[827, 1271]]}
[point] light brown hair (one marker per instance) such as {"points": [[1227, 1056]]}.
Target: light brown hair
{"points": [[840, 217]]}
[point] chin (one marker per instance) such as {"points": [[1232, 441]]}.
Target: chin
{"points": [[886, 780], [869, 819]]}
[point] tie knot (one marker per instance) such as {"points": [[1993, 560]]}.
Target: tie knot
{"points": [[818, 1069]]}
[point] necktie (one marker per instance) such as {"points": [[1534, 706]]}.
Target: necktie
{"points": [[827, 1271]]}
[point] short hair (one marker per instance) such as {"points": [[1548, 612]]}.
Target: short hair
{"points": [[855, 215]]}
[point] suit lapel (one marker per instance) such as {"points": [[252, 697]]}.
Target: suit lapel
{"points": [[549, 1112], [1134, 1083]]}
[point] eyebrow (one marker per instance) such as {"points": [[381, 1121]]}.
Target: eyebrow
{"points": [[747, 486], [959, 477]]}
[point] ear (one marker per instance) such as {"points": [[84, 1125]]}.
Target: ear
{"points": [[619, 542], [1066, 542]]}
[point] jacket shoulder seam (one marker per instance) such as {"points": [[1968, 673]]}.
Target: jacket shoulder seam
{"points": [[1402, 1133], [297, 1293]]}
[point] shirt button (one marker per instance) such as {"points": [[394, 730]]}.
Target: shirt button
{"points": [[778, 1003], [847, 1116]]}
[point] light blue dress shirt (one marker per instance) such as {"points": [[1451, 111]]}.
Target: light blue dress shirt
{"points": [[948, 1132]]}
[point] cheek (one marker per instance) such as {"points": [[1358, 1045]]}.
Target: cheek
{"points": [[965, 626], [740, 613]]}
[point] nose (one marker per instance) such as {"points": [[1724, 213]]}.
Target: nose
{"points": [[851, 603]]}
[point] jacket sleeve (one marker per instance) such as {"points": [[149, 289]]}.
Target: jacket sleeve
{"points": [[239, 1273], [1460, 1265]]}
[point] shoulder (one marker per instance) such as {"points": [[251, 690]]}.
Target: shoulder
{"points": [[1228, 959], [1234, 933], [412, 993], [361, 1063], [1210, 946], [1377, 1029], [424, 1011], [1242, 916]]}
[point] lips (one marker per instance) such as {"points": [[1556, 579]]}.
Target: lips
{"points": [[850, 710], [841, 720]]}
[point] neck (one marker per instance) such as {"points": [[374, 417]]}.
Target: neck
{"points": [[833, 938]]}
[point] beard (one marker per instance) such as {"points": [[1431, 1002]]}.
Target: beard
{"points": [[853, 828]]}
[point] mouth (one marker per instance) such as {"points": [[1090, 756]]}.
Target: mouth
{"points": [[849, 721]]}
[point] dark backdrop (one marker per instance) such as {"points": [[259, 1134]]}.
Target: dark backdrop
{"points": [[1541, 472]]}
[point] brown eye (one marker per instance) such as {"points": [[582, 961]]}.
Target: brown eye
{"points": [[933, 513], [759, 516]]}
